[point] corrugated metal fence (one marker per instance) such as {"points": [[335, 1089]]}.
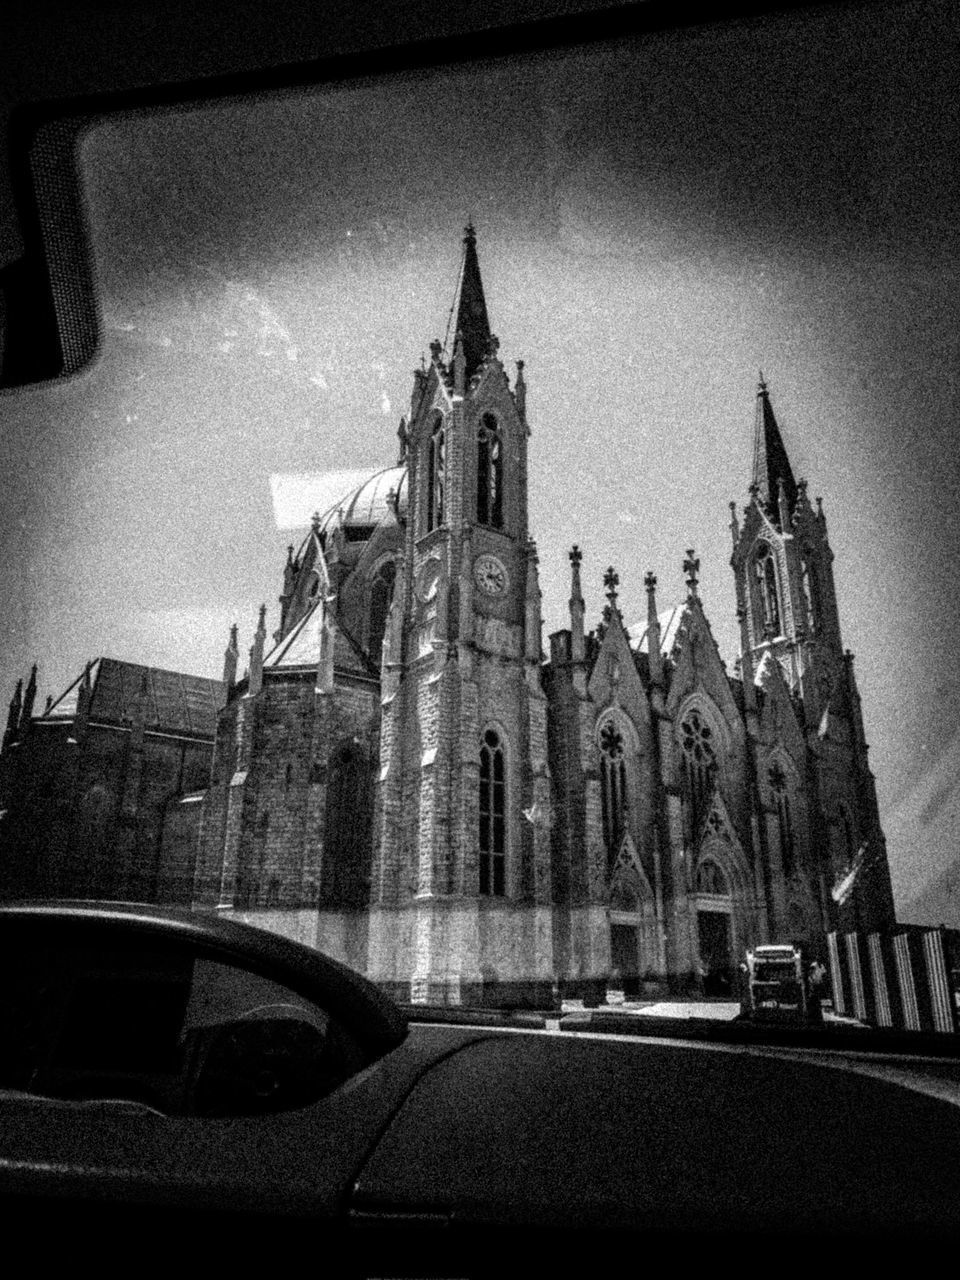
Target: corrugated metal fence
{"points": [[907, 978]]}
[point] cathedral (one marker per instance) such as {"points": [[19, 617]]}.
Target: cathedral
{"points": [[406, 779]]}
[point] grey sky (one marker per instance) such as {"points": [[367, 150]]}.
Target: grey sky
{"points": [[656, 223]]}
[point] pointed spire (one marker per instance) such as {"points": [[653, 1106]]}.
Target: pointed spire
{"points": [[230, 658], [520, 391], [734, 524], [472, 323], [29, 698], [256, 653], [13, 715], [771, 466], [577, 609], [654, 657]]}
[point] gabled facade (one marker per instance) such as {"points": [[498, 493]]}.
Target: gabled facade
{"points": [[406, 780]]}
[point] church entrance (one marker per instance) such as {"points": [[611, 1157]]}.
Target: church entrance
{"points": [[624, 958], [715, 937]]}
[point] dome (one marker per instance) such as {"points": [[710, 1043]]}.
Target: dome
{"points": [[360, 511]]}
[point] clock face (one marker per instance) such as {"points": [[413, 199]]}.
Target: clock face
{"points": [[490, 575], [428, 581]]}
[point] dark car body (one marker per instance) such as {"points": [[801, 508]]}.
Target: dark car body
{"points": [[448, 1144]]}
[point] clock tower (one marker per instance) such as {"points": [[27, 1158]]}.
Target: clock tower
{"points": [[460, 889]]}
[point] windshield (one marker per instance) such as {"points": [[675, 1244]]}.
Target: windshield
{"points": [[456, 557]]}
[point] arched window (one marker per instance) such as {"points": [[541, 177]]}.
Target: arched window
{"points": [[765, 569], [778, 784], [347, 847], [698, 748], [710, 879], [493, 816], [490, 473], [808, 583], [436, 477], [381, 593], [613, 783]]}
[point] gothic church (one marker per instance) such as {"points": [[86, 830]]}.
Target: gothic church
{"points": [[406, 780]]}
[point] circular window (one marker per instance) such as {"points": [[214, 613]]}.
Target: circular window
{"points": [[696, 738]]}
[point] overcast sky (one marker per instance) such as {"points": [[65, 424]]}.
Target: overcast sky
{"points": [[657, 222]]}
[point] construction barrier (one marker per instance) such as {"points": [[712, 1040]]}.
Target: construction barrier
{"points": [[907, 978]]}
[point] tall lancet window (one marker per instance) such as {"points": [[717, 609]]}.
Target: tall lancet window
{"points": [[493, 816], [436, 476], [381, 591], [699, 760], [808, 583], [778, 783], [765, 568], [490, 473], [613, 784]]}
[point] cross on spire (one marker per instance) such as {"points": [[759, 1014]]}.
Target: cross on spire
{"points": [[576, 555], [691, 568], [611, 580]]}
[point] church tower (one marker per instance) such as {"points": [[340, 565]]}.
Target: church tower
{"points": [[461, 882], [787, 607]]}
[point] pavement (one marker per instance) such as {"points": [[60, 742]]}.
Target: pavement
{"points": [[720, 1010]]}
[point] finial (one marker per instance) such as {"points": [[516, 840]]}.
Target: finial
{"points": [[315, 521], [233, 635], [691, 567], [469, 233], [289, 553], [493, 346], [820, 507], [520, 368], [263, 617], [576, 555], [49, 703], [611, 580], [436, 347], [650, 582], [402, 437], [753, 489], [762, 388]]}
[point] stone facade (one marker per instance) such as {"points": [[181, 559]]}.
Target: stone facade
{"points": [[405, 780], [91, 790]]}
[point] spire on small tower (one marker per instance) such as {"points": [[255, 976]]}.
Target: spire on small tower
{"points": [[230, 658], [29, 698], [520, 391], [771, 466], [654, 656], [472, 322], [13, 715], [577, 647], [256, 653]]}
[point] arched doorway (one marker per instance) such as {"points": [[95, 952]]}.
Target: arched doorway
{"points": [[634, 953], [716, 935]]}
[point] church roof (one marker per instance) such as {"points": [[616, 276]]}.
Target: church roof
{"points": [[669, 620], [173, 701], [366, 504], [300, 647], [771, 466]]}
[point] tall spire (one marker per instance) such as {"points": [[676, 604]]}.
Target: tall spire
{"points": [[472, 323], [771, 466]]}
